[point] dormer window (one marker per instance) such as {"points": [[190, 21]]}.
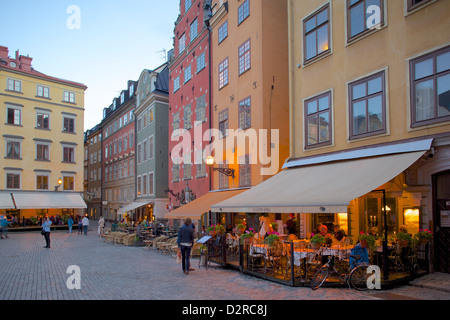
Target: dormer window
{"points": [[122, 97]]}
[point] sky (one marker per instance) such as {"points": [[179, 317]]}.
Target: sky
{"points": [[99, 43]]}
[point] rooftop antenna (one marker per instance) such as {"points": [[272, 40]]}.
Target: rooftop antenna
{"points": [[164, 52]]}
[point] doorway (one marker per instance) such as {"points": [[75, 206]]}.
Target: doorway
{"points": [[441, 218]]}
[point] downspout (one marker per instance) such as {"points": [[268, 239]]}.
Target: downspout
{"points": [[291, 99]]}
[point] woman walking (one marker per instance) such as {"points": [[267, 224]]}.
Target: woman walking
{"points": [[46, 229], [185, 242]]}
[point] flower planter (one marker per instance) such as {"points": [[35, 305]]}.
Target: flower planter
{"points": [[316, 246], [423, 241], [403, 243], [212, 233]]}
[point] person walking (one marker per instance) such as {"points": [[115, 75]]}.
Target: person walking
{"points": [[101, 226], [46, 229], [4, 226], [85, 223], [70, 223], [185, 242], [80, 226]]}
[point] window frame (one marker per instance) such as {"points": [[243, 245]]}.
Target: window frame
{"points": [[222, 32], [366, 31], [410, 7], [16, 85], [69, 97], [365, 98], [318, 112], [224, 122], [13, 141], [67, 129], [244, 110], [68, 150], [16, 175], [245, 171], [434, 76], [223, 73], [244, 56], [245, 11], [15, 108], [314, 15], [43, 95]]}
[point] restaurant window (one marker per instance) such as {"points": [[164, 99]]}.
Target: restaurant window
{"points": [[316, 34], [430, 87], [367, 106], [223, 73], [318, 120], [363, 17], [373, 215]]}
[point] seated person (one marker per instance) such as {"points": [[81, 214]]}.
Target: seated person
{"points": [[339, 234]]}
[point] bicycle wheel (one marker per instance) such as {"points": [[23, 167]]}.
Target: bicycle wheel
{"points": [[358, 278], [320, 277]]}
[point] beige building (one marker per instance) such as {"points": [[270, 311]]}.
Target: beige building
{"points": [[42, 140], [369, 85]]}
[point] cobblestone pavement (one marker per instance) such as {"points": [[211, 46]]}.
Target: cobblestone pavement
{"points": [[116, 272]]}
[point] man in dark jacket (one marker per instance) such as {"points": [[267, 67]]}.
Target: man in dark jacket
{"points": [[185, 242]]}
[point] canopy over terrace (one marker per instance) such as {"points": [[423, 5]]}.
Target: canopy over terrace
{"points": [[326, 184], [198, 207], [48, 200], [132, 206], [6, 201]]}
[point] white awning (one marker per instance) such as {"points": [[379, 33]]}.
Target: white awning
{"points": [[48, 200], [324, 187], [6, 201], [133, 205]]}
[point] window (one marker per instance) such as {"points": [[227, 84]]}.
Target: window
{"points": [[316, 34], [13, 115], [42, 152], [224, 181], [362, 17], [144, 184], [223, 31], [414, 4], [176, 173], [68, 183], [187, 117], [187, 171], [187, 74], [245, 119], [201, 167], [150, 116], [176, 121], [430, 87], [69, 125], [243, 11], [223, 122], [187, 4], [151, 152], [176, 84], [223, 73], [69, 97], [139, 153], [151, 188], [14, 85], [318, 120], [201, 109], [68, 154], [42, 182], [12, 180], [144, 151], [43, 92], [245, 171], [181, 43], [42, 120], [244, 57], [194, 30], [201, 63], [13, 149], [367, 106]]}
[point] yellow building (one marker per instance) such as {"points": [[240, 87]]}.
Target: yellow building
{"points": [[369, 85], [42, 140]]}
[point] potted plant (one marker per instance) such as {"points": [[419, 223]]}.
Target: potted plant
{"points": [[423, 236], [220, 229], [211, 230], [403, 237], [241, 228], [274, 226], [317, 241], [247, 236], [272, 239], [366, 240]]}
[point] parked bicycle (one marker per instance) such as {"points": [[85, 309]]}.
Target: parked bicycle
{"points": [[355, 276]]}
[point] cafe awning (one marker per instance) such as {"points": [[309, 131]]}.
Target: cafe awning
{"points": [[49, 200], [325, 186], [195, 209], [133, 205], [6, 201]]}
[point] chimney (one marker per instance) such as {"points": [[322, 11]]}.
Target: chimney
{"points": [[3, 52], [25, 63]]}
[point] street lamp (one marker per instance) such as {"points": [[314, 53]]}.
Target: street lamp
{"points": [[59, 184], [226, 171]]}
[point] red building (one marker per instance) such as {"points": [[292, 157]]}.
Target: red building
{"points": [[189, 103]]}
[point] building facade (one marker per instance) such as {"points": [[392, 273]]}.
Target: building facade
{"points": [[93, 172], [118, 160], [151, 114], [189, 104], [42, 139]]}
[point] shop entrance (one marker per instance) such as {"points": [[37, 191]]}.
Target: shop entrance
{"points": [[441, 187]]}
